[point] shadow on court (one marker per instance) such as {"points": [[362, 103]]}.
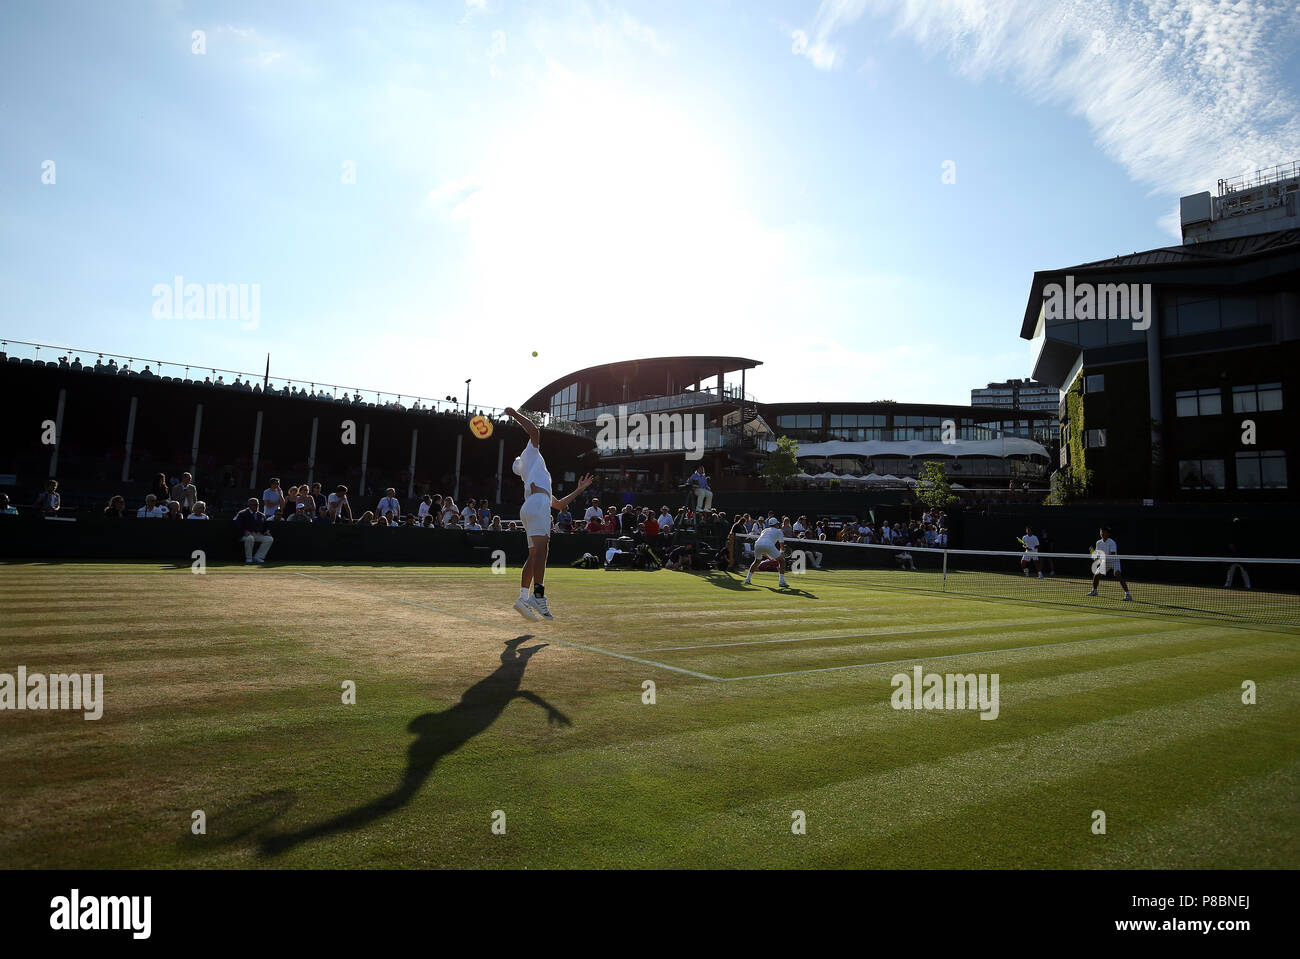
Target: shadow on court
{"points": [[437, 735]]}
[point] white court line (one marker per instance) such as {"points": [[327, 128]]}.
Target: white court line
{"points": [[547, 637], [890, 632], [922, 659]]}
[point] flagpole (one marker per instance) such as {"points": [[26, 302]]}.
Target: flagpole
{"points": [[266, 380]]}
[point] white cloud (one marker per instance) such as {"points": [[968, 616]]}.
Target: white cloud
{"points": [[1179, 92], [817, 44]]}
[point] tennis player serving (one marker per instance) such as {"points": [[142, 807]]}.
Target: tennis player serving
{"points": [[535, 513]]}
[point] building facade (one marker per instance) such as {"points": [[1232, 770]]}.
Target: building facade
{"points": [[1177, 366]]}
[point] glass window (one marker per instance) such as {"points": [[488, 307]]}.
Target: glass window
{"points": [[1262, 470], [1094, 438], [1201, 474], [1198, 402], [1261, 398], [1094, 383]]}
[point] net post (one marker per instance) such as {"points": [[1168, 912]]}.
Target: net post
{"points": [[945, 569]]}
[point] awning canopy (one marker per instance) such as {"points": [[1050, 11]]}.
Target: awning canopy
{"points": [[1009, 446]]}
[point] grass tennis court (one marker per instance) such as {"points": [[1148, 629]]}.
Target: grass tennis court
{"points": [[223, 694]]}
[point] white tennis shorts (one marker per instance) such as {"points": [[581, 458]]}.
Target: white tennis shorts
{"points": [[768, 550], [1029, 557], [536, 514]]}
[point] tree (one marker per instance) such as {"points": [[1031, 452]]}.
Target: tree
{"points": [[782, 464], [932, 488]]}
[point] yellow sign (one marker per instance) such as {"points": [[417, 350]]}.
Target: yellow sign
{"points": [[481, 427]]}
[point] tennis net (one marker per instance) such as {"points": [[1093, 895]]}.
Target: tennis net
{"points": [[1230, 589]]}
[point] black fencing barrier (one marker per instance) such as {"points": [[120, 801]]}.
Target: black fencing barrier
{"points": [[174, 541]]}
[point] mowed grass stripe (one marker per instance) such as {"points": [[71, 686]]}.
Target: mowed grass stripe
{"points": [[627, 784], [775, 661]]}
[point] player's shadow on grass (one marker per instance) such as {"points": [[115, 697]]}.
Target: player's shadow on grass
{"points": [[725, 579], [437, 735]]}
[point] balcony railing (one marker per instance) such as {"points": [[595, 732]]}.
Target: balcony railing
{"points": [[678, 401], [118, 364]]}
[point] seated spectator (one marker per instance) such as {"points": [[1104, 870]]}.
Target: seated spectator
{"points": [[337, 505], [49, 502], [116, 507], [473, 524], [593, 511], [495, 525], [681, 557], [250, 522], [7, 510], [470, 509], [665, 519], [174, 510], [301, 513], [564, 521], [366, 519], [323, 514], [390, 518], [200, 510], [409, 520], [151, 509], [306, 499], [449, 511], [484, 513], [426, 504]]}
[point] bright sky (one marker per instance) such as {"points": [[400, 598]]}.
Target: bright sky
{"points": [[599, 181]]}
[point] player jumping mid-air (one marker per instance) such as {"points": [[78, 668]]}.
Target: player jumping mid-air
{"points": [[536, 517], [1106, 560], [769, 546]]}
